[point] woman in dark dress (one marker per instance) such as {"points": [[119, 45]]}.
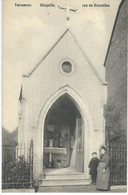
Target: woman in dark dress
{"points": [[103, 172]]}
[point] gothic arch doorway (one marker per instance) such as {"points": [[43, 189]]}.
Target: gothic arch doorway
{"points": [[64, 136], [87, 121]]}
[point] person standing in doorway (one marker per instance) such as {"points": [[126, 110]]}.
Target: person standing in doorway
{"points": [[103, 172], [93, 167]]}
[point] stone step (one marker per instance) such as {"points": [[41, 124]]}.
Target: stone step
{"points": [[61, 174], [64, 183], [81, 188], [61, 177], [64, 180]]}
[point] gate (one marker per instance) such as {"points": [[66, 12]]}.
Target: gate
{"points": [[17, 171], [118, 162]]}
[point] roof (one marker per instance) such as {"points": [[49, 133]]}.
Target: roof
{"points": [[49, 51], [121, 4]]}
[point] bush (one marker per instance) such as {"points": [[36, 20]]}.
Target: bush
{"points": [[16, 174]]}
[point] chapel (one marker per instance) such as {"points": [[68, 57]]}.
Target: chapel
{"points": [[61, 109]]}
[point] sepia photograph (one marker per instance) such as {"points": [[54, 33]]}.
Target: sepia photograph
{"points": [[64, 96]]}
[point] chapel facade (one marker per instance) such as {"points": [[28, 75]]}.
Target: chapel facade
{"points": [[61, 109]]}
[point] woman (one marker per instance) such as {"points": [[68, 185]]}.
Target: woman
{"points": [[103, 172]]}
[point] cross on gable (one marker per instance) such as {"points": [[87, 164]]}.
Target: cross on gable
{"points": [[67, 9]]}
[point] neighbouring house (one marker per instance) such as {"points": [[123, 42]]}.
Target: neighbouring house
{"points": [[116, 77], [9, 143], [116, 107]]}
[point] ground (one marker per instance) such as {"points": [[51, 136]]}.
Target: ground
{"points": [[85, 189]]}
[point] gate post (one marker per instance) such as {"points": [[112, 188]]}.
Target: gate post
{"points": [[31, 163]]}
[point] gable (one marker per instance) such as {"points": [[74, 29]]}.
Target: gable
{"points": [[70, 42]]}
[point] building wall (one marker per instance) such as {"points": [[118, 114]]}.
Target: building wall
{"points": [[48, 79], [116, 76]]}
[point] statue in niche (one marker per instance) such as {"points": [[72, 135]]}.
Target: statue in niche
{"points": [[66, 136], [65, 133]]}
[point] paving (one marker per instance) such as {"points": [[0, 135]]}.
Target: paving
{"points": [[84, 189], [70, 189]]}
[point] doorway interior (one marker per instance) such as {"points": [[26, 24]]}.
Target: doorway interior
{"points": [[64, 137]]}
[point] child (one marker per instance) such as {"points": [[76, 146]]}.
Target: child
{"points": [[93, 167]]}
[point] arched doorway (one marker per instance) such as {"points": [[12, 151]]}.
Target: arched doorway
{"points": [[64, 136]]}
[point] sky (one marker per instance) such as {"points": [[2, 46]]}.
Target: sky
{"points": [[29, 32]]}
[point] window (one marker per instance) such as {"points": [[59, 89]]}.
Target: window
{"points": [[67, 67]]}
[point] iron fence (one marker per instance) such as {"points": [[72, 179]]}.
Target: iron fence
{"points": [[17, 170], [118, 162]]}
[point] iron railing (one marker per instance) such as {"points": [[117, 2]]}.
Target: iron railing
{"points": [[118, 162]]}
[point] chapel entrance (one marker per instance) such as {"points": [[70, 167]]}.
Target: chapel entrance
{"points": [[64, 136]]}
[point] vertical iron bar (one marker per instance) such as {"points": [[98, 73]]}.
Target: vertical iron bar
{"points": [[116, 164], [27, 153], [24, 151], [31, 163]]}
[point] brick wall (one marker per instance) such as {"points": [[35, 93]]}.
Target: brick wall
{"points": [[116, 76]]}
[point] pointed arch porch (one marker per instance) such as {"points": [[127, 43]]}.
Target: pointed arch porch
{"points": [[82, 106]]}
